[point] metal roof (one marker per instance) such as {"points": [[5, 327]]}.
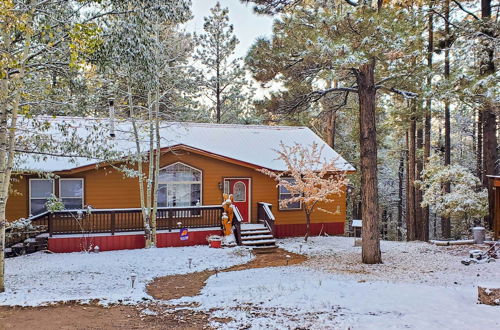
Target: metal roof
{"points": [[253, 144]]}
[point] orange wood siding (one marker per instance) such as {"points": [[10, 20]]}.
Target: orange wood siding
{"points": [[17, 204], [108, 188]]}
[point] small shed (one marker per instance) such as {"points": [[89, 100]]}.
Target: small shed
{"points": [[356, 225], [495, 185]]}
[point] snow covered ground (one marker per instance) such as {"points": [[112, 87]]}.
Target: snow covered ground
{"points": [[411, 262], [420, 286], [44, 278], [299, 298]]}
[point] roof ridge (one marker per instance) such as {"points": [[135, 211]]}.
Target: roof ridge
{"points": [[180, 123]]}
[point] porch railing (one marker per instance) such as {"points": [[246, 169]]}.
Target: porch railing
{"points": [[127, 220], [265, 214], [237, 224]]}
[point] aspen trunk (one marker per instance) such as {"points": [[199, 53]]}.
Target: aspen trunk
{"points": [[156, 166], [368, 162], [7, 144], [138, 152]]}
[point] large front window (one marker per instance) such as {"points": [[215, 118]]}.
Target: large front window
{"points": [[179, 185]]}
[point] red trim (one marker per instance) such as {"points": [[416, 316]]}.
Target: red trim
{"points": [[295, 230], [126, 242]]}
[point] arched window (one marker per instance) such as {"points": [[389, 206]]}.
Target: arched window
{"points": [[179, 185], [240, 192]]}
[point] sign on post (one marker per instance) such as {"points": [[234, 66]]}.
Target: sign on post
{"points": [[184, 234]]}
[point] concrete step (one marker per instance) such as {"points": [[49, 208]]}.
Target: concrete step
{"points": [[259, 242], [255, 232], [256, 237]]}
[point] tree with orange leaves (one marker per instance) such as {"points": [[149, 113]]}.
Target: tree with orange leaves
{"points": [[313, 180]]}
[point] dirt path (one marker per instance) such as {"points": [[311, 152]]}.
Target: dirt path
{"points": [[89, 317], [188, 285], [75, 316]]}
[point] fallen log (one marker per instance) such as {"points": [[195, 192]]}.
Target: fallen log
{"points": [[448, 243], [488, 296]]}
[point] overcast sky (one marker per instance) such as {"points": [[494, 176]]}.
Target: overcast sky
{"points": [[247, 25]]}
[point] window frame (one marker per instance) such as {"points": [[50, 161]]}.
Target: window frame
{"points": [[183, 182], [281, 208], [29, 192], [72, 179]]}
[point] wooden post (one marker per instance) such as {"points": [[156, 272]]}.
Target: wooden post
{"points": [[49, 224], [169, 220], [113, 222]]}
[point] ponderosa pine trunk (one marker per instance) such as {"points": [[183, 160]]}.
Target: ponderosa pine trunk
{"points": [[445, 222], [479, 145], [365, 77], [489, 120], [330, 128], [419, 212], [428, 111], [410, 216], [400, 193]]}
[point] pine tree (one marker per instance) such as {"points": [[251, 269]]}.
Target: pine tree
{"points": [[221, 76]]}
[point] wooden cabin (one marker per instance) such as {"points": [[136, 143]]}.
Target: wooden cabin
{"points": [[199, 162]]}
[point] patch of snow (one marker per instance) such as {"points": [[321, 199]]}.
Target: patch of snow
{"points": [[41, 278], [296, 297], [411, 262]]}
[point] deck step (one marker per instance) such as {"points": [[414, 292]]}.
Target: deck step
{"points": [[253, 228], [255, 232], [255, 237], [260, 242]]}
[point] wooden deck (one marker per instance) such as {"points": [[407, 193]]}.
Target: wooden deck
{"points": [[126, 220]]}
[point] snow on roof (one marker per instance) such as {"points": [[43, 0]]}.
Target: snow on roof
{"points": [[253, 144]]}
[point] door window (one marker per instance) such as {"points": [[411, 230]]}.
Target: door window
{"points": [[240, 192]]}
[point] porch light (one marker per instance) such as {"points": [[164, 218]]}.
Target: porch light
{"points": [[219, 185]]}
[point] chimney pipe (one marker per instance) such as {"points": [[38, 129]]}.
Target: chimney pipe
{"points": [[112, 118]]}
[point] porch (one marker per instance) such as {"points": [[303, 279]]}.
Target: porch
{"points": [[117, 229]]}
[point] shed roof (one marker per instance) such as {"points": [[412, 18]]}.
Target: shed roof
{"points": [[252, 144]]}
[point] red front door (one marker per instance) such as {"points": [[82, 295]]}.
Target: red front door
{"points": [[240, 188]]}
